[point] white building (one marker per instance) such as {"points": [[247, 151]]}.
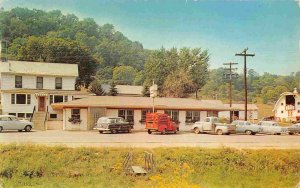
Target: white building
{"points": [[28, 88], [183, 111], [287, 108], [239, 112]]}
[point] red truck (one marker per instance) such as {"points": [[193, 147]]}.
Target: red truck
{"points": [[157, 122]]}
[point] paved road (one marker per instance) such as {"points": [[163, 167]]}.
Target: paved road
{"points": [[142, 139]]}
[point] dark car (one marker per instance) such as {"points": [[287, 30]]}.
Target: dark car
{"points": [[113, 124]]}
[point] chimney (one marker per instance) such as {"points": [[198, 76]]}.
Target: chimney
{"points": [[295, 91]]}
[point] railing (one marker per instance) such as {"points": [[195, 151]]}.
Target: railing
{"points": [[32, 113]]}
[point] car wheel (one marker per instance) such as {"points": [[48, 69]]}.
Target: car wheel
{"points": [[219, 132], [149, 131], [278, 133], [196, 130], [20, 130], [164, 131], [129, 130], [248, 132], [100, 132], [291, 133], [1, 129], [27, 128]]}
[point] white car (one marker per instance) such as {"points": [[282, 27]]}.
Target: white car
{"points": [[8, 122], [272, 127]]}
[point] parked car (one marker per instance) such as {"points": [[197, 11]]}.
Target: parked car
{"points": [[113, 124], [268, 118], [247, 127], [272, 127], [212, 125], [9, 122], [294, 129]]}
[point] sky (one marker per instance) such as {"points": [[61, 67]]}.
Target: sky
{"points": [[270, 29]]}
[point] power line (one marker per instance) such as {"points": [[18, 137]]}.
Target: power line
{"points": [[245, 55]]}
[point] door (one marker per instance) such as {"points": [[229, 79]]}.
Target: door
{"points": [[42, 104]]}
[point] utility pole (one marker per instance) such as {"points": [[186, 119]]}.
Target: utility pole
{"points": [[230, 75], [245, 55]]}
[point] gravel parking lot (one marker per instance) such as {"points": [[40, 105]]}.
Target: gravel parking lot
{"points": [[142, 139]]}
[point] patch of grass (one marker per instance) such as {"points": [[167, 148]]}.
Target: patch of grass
{"points": [[40, 166]]}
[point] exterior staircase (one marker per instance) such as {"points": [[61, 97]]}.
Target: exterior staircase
{"points": [[39, 120]]}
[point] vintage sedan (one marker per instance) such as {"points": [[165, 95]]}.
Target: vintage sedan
{"points": [[272, 127], [113, 124], [247, 127], [294, 129], [8, 122]]}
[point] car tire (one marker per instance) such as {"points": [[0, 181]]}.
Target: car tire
{"points": [[248, 132], [278, 133], [196, 130], [27, 128], [100, 132], [149, 131], [20, 130], [164, 132], [1, 129], [291, 133], [219, 132]]}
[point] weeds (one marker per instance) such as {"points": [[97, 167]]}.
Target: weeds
{"points": [[40, 166]]}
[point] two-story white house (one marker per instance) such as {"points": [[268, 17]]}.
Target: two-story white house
{"points": [[287, 108], [29, 88]]}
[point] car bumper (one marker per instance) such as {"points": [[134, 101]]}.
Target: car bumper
{"points": [[100, 129]]}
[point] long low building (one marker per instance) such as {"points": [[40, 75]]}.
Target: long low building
{"points": [[82, 114]]}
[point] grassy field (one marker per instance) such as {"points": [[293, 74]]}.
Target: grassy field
{"points": [[40, 166], [265, 110]]}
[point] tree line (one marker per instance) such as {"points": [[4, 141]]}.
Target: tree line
{"points": [[105, 56]]}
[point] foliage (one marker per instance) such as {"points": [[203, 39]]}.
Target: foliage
{"points": [[113, 90], [124, 75], [95, 87], [37, 35], [178, 84], [264, 88], [40, 166], [161, 63], [74, 120]]}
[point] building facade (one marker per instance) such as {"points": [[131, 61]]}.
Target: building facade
{"points": [[28, 89], [87, 111], [239, 112], [287, 107]]}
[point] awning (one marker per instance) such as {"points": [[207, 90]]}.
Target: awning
{"points": [[42, 94]]}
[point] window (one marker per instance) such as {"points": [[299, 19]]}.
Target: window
{"points": [[18, 81], [66, 98], [212, 113], [28, 99], [58, 83], [39, 82], [13, 99], [20, 99], [28, 115], [53, 116], [56, 98], [174, 114], [75, 114], [298, 103], [128, 115], [12, 114], [144, 112], [21, 115], [192, 116], [282, 112]]}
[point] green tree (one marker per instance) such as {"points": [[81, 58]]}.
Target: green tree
{"points": [[113, 90], [124, 75], [95, 87], [178, 84]]}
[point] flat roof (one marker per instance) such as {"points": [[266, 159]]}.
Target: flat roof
{"points": [[143, 103], [39, 68], [241, 107]]}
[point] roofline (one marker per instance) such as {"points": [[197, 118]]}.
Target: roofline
{"points": [[60, 106], [30, 74]]}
